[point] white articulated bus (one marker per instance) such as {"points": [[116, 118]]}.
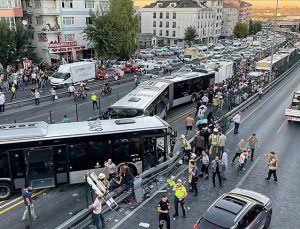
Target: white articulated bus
{"points": [[45, 155], [157, 96]]}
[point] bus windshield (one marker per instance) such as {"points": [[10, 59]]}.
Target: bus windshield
{"points": [[125, 112]]}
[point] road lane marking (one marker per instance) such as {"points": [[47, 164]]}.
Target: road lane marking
{"points": [[20, 202], [248, 172], [37, 116], [10, 202], [282, 125]]}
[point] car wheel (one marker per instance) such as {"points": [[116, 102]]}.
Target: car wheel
{"points": [[5, 191], [268, 221]]}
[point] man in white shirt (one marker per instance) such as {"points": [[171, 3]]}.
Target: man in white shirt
{"points": [[260, 92], [2, 102], [204, 99], [224, 163], [97, 212], [111, 167], [237, 120], [71, 90]]}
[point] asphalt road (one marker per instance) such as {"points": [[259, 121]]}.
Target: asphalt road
{"points": [[265, 118]]}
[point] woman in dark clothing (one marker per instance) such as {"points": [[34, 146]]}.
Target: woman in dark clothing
{"points": [[210, 118]]}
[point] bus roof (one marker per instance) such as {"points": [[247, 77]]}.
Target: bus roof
{"points": [[266, 63], [184, 76], [39, 131]]}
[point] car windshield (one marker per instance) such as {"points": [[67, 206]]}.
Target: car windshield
{"points": [[205, 224], [125, 112], [61, 75]]}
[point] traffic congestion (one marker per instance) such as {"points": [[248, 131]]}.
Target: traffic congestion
{"points": [[203, 82]]}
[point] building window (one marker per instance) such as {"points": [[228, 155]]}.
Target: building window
{"points": [[69, 37], [37, 3], [39, 20], [89, 3], [174, 24], [67, 4], [154, 15], [167, 24], [154, 32], [173, 33], [160, 15], [88, 21], [174, 15], [29, 19], [160, 32], [154, 23], [68, 21], [160, 24], [167, 15], [167, 33]]}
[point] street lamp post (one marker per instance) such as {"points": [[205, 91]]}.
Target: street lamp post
{"points": [[272, 47]]}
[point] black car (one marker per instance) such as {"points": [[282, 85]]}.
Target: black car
{"points": [[238, 209]]}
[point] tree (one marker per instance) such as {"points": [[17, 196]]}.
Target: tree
{"points": [[240, 30], [114, 32], [7, 44], [254, 27], [190, 35]]}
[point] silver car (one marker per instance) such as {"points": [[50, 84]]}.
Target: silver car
{"points": [[238, 209]]}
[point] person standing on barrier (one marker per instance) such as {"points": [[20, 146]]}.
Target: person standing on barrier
{"points": [[163, 209], [237, 120], [180, 195], [26, 194], [97, 212]]}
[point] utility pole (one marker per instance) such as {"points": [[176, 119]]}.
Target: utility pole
{"points": [[272, 47]]}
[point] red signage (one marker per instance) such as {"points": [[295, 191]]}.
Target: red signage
{"points": [[62, 44], [66, 49]]}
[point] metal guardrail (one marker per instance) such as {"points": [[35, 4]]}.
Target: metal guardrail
{"points": [[83, 218]]}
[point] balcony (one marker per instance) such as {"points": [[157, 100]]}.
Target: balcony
{"points": [[49, 28], [48, 11]]}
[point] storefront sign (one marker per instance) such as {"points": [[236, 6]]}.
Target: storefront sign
{"points": [[62, 44], [66, 49]]}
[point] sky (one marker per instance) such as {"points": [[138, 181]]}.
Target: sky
{"points": [[256, 3]]}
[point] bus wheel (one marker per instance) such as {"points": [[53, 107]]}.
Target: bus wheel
{"points": [[5, 191], [193, 98]]}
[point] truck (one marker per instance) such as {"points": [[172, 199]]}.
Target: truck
{"points": [[293, 110], [73, 73]]}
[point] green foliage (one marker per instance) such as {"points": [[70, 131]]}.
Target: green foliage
{"points": [[255, 27], [240, 30], [114, 32], [7, 44], [190, 35]]}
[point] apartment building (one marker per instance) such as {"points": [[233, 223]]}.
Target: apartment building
{"points": [[58, 27], [168, 20], [244, 12], [230, 18], [11, 11]]}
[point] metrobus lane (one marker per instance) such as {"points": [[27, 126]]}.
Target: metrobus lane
{"points": [[264, 119], [65, 105]]}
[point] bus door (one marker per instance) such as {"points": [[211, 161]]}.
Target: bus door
{"points": [[17, 165], [61, 164], [40, 167]]}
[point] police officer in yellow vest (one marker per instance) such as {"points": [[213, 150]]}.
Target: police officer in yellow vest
{"points": [[94, 100], [180, 195]]}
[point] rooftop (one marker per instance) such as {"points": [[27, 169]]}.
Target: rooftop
{"points": [[176, 4]]}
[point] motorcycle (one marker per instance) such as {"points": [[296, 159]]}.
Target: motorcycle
{"points": [[106, 92], [78, 95]]}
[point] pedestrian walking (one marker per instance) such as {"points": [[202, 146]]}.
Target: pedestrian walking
{"points": [[189, 123], [94, 100], [239, 149], [53, 94], [205, 165], [272, 165], [26, 194], [71, 90], [214, 140], [221, 143], [224, 163], [194, 180], [260, 92], [97, 211], [190, 168], [242, 161], [253, 144], [2, 102], [163, 209], [180, 195], [37, 97], [237, 120], [216, 170], [13, 91]]}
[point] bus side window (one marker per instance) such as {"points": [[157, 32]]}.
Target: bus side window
{"points": [[78, 159], [4, 165]]}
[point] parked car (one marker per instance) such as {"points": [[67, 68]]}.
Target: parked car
{"points": [[109, 74], [119, 64], [161, 64], [174, 62], [238, 209], [146, 54], [130, 68]]}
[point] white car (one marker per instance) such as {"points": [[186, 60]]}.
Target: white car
{"points": [[161, 64], [119, 64], [146, 54]]}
